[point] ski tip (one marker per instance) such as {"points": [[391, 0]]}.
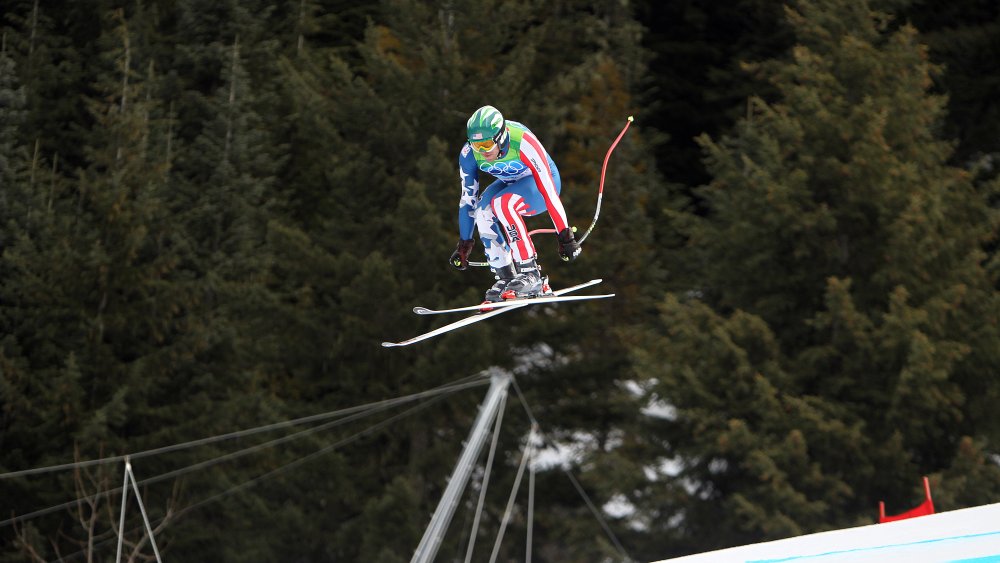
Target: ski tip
{"points": [[421, 310], [389, 344]]}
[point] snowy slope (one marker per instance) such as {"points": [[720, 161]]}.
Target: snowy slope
{"points": [[969, 535]]}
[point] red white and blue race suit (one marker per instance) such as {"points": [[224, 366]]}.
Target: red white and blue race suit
{"points": [[527, 183]]}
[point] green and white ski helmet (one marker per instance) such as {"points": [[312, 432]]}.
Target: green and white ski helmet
{"points": [[487, 128]]}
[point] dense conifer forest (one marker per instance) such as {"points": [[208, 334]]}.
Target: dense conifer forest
{"points": [[212, 213]]}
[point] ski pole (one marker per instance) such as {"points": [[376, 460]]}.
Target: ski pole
{"points": [[600, 191], [600, 195]]}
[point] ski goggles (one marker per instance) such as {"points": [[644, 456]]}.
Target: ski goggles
{"points": [[483, 146]]}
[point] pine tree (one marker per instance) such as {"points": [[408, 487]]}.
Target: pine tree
{"points": [[87, 301], [13, 156], [50, 45], [830, 353], [962, 38], [708, 92], [391, 124]]}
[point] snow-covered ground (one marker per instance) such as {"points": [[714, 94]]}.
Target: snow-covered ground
{"points": [[967, 536]]}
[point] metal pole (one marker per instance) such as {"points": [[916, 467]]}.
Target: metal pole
{"points": [[531, 490], [486, 482], [435, 531], [121, 521], [142, 508]]}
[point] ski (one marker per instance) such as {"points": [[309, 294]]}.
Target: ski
{"points": [[486, 307], [475, 318]]}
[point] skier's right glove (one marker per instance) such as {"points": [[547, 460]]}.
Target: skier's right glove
{"points": [[568, 247], [460, 258]]}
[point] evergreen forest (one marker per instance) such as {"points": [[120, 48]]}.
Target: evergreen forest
{"points": [[213, 213]]}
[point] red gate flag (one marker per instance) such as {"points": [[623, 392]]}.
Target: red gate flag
{"points": [[925, 508]]}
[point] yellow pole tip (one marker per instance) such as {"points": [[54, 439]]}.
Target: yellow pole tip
{"points": [[630, 119]]}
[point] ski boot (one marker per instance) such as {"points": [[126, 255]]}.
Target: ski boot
{"points": [[503, 276], [529, 282]]}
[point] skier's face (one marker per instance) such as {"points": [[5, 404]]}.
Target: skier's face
{"points": [[492, 154]]}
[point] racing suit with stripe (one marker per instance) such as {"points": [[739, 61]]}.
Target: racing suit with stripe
{"points": [[527, 183]]}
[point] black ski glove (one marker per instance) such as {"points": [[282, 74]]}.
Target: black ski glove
{"points": [[460, 258], [568, 247]]}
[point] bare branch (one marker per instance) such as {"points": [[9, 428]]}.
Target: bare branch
{"points": [[22, 543]]}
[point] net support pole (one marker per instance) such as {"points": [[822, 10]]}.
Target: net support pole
{"points": [[434, 534]]}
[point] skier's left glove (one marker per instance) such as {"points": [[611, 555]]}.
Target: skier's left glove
{"points": [[568, 247], [460, 258]]}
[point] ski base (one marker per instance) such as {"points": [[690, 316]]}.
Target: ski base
{"points": [[496, 309], [489, 306]]}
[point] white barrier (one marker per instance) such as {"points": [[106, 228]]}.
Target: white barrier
{"points": [[971, 535]]}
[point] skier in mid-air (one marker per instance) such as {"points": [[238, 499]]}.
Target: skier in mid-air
{"points": [[527, 183]]}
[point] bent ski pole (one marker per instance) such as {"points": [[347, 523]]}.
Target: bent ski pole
{"points": [[600, 191], [600, 194]]}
